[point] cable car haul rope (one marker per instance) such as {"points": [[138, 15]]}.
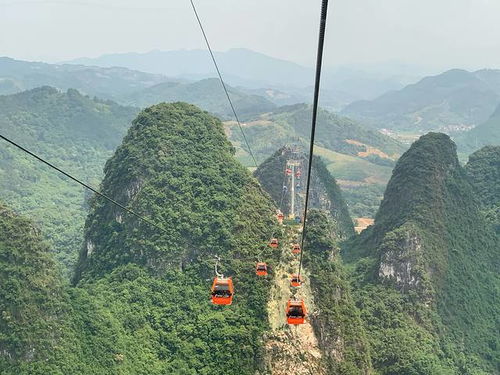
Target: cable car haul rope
{"points": [[296, 311]]}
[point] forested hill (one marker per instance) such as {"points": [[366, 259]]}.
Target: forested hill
{"points": [[70, 130], [142, 304], [207, 94], [453, 98], [429, 263], [325, 193], [483, 170], [290, 124], [176, 166], [31, 296], [486, 133], [361, 159]]}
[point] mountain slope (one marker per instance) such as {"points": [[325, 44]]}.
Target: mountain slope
{"points": [[326, 194], [338, 325], [483, 170], [207, 94], [486, 133], [360, 158], [73, 132], [176, 167], [142, 300], [454, 100], [31, 293], [429, 261], [340, 134], [109, 83]]}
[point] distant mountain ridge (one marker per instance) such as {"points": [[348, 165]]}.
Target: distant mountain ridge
{"points": [[208, 94], [452, 101], [128, 87], [106, 83], [240, 66], [256, 71]]}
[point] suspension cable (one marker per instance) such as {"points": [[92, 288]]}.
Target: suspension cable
{"points": [[83, 184], [319, 63], [223, 83]]}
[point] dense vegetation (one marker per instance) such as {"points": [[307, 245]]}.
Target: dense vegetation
{"points": [[73, 132], [417, 294], [31, 296], [141, 305], [338, 325], [483, 170], [443, 102], [360, 157], [425, 273], [326, 194], [207, 94]]}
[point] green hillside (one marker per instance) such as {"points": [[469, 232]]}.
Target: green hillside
{"points": [[483, 170], [425, 273], [486, 133], [73, 132], [360, 159], [445, 102], [31, 296], [176, 166], [129, 87], [326, 193], [208, 94], [292, 124], [338, 324], [141, 305]]}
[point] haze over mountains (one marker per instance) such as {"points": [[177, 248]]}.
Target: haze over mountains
{"points": [[253, 70], [455, 100]]}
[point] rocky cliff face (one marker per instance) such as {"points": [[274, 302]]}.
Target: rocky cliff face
{"points": [[324, 194], [431, 243]]}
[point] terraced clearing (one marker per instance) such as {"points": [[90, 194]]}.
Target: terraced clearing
{"points": [[353, 169]]}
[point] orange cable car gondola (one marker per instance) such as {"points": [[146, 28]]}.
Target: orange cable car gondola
{"points": [[273, 243], [296, 248], [222, 291], [296, 281], [261, 269], [280, 217], [296, 312], [288, 171]]}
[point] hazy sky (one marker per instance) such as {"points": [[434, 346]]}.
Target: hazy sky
{"points": [[439, 33]]}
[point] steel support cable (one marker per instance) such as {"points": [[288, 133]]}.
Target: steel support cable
{"points": [[223, 83], [319, 64], [83, 184]]}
